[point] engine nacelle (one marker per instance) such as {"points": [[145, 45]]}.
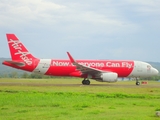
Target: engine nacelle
{"points": [[109, 77]]}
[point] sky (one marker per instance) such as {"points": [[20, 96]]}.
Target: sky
{"points": [[88, 29]]}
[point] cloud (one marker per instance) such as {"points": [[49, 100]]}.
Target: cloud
{"points": [[67, 16], [19, 12], [88, 29], [145, 7]]}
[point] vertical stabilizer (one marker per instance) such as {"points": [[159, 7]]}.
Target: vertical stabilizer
{"points": [[18, 51]]}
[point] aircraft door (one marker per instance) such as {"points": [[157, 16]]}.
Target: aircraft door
{"points": [[42, 66], [139, 67]]}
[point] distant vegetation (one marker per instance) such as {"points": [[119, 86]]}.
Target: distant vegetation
{"points": [[15, 74]]}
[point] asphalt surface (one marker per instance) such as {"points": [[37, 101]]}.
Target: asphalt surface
{"points": [[80, 85]]}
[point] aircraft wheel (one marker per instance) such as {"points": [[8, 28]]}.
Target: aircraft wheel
{"points": [[83, 82], [137, 83], [87, 82]]}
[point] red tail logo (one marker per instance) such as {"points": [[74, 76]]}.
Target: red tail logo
{"points": [[18, 50]]}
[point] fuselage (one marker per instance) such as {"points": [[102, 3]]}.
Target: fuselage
{"points": [[65, 68]]}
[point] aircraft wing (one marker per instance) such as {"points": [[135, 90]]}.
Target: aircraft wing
{"points": [[84, 69]]}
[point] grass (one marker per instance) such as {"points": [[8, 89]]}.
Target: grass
{"points": [[58, 99]]}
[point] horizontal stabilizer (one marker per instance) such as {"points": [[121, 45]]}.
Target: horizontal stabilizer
{"points": [[20, 64]]}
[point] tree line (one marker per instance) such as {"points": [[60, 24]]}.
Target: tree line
{"points": [[15, 74], [24, 75]]}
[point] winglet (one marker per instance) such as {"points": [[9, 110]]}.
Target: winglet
{"points": [[71, 58]]}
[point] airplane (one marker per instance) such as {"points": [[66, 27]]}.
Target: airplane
{"points": [[99, 70]]}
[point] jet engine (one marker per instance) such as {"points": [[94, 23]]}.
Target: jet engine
{"points": [[109, 77]]}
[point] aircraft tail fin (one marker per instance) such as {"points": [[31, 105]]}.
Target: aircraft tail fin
{"points": [[18, 51]]}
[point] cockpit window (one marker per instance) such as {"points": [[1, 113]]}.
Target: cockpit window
{"points": [[149, 67]]}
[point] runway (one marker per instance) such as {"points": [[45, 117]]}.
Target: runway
{"points": [[80, 85]]}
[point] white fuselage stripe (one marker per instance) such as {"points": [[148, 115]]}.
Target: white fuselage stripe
{"points": [[42, 66]]}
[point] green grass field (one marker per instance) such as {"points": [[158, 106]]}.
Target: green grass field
{"points": [[67, 99]]}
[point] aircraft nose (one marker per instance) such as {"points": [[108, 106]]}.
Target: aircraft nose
{"points": [[155, 71]]}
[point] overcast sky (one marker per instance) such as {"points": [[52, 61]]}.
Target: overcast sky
{"points": [[88, 29]]}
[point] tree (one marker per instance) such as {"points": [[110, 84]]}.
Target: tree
{"points": [[25, 75], [14, 74], [37, 76], [5, 75]]}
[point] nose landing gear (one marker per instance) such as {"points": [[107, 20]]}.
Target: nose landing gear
{"points": [[137, 82]]}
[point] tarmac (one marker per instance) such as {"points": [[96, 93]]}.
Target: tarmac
{"points": [[80, 85]]}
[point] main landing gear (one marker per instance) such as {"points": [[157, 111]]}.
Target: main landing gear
{"points": [[137, 82], [86, 82]]}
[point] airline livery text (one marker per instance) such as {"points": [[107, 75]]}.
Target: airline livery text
{"points": [[95, 64], [23, 55]]}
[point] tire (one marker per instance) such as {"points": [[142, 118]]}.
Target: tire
{"points": [[137, 83], [87, 82], [83, 82]]}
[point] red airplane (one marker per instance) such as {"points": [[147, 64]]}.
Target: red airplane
{"points": [[99, 70]]}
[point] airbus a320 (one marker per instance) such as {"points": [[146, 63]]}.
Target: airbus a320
{"points": [[99, 70]]}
